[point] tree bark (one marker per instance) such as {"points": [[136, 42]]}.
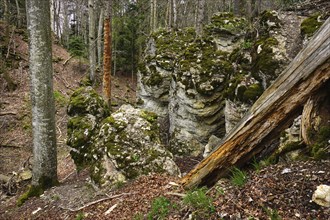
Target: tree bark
{"points": [[107, 56], [272, 112], [316, 114], [175, 14], [19, 17], [42, 97], [91, 41], [99, 38], [200, 17]]}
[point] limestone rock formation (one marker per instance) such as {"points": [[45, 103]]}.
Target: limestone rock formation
{"points": [[115, 147], [204, 85]]}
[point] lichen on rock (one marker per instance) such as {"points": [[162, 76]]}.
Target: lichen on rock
{"points": [[122, 146]]}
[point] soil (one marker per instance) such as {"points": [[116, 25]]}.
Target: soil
{"points": [[267, 194]]}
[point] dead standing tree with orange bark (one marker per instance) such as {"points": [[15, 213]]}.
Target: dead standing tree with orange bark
{"points": [[107, 56]]}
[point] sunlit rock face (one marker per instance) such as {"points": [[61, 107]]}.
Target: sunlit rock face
{"points": [[115, 147], [205, 85]]}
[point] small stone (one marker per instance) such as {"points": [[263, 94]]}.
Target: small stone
{"points": [[321, 195], [286, 170]]}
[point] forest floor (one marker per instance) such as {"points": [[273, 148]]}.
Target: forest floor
{"points": [[282, 190]]}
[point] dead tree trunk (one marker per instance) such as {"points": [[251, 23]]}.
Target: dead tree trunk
{"points": [[271, 113], [316, 115]]}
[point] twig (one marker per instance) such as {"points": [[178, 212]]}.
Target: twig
{"points": [[95, 202], [65, 178], [129, 86], [67, 60], [176, 194], [7, 113], [9, 146]]}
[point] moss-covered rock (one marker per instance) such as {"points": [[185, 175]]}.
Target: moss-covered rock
{"points": [[84, 101], [130, 138], [122, 146], [310, 25]]}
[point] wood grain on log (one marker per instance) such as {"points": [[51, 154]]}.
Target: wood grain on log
{"points": [[272, 112]]}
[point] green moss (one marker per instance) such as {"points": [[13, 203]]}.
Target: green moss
{"points": [[154, 79], [36, 190], [319, 148], [60, 99], [224, 24], [32, 191], [252, 93], [264, 61], [289, 147], [149, 116], [117, 124], [268, 17], [85, 81], [310, 25], [85, 100], [80, 129]]}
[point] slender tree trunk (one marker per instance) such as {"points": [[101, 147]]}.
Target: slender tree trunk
{"points": [[19, 20], [66, 29], [107, 56], [175, 15], [169, 14], [92, 46], [43, 106], [200, 17], [6, 16], [57, 20], [153, 15], [52, 19], [99, 38]]}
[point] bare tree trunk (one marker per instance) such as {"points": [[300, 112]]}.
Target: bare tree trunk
{"points": [[6, 16], [43, 106], [107, 56], [175, 15], [66, 28], [169, 14], [99, 38], [92, 46], [153, 15], [19, 16], [52, 12], [200, 17]]}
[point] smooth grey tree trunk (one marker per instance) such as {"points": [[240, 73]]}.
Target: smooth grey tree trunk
{"points": [[92, 45], [200, 17], [42, 97], [99, 38]]}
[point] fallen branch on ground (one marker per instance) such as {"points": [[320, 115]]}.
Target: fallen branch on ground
{"points": [[95, 202]]}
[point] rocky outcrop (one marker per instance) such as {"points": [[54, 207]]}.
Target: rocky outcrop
{"points": [[114, 147], [205, 85]]}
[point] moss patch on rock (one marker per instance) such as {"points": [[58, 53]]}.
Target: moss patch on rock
{"points": [[85, 100], [310, 25]]}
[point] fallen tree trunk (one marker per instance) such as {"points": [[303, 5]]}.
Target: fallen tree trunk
{"points": [[272, 112]]}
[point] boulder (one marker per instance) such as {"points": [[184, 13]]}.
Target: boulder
{"points": [[321, 195], [115, 147]]}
